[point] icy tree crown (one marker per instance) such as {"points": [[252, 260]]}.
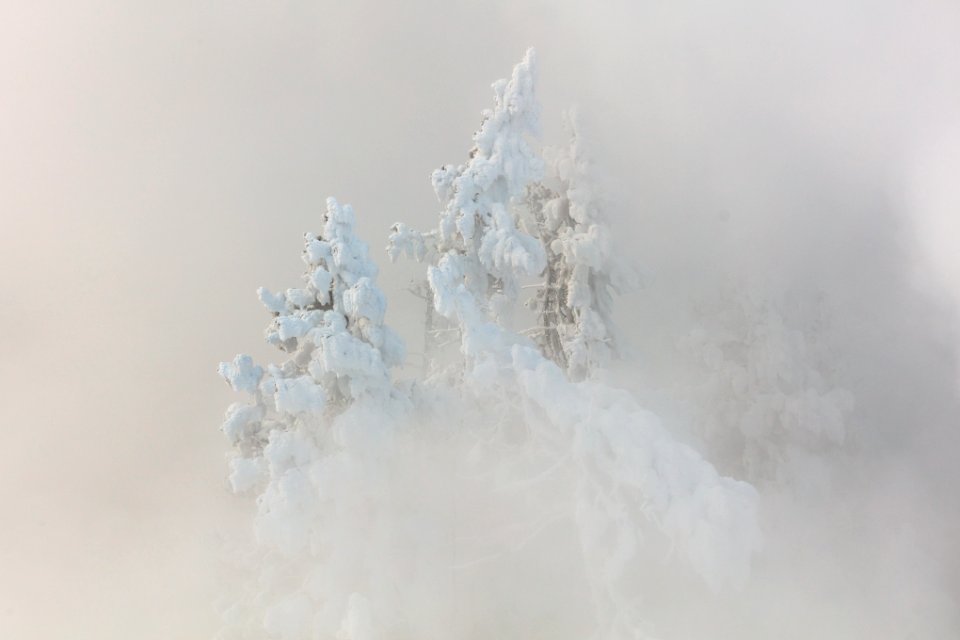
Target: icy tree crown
{"points": [[477, 245], [331, 327], [501, 224]]}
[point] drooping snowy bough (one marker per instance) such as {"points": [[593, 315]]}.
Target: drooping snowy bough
{"points": [[440, 509]]}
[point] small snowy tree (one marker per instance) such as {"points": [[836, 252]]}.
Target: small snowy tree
{"points": [[301, 419], [332, 326]]}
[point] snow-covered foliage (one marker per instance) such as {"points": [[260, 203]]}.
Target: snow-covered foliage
{"points": [[333, 326], [306, 415], [424, 511], [769, 404], [575, 304], [477, 243]]}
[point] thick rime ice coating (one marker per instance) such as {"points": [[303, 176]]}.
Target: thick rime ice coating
{"points": [[239, 418], [446, 508], [407, 242], [242, 374], [298, 395], [333, 327]]}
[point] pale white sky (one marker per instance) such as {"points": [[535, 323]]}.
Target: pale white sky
{"points": [[159, 161]]}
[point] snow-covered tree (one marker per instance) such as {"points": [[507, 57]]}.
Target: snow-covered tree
{"points": [[481, 240], [302, 417], [767, 399], [477, 244], [575, 304], [332, 327]]}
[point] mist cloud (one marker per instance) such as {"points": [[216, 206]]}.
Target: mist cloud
{"points": [[159, 164]]}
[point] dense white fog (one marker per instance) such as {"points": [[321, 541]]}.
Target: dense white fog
{"points": [[781, 177]]}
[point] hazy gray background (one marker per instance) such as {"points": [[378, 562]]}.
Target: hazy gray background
{"points": [[160, 161]]}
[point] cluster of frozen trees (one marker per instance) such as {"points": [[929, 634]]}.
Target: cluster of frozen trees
{"points": [[440, 507], [768, 400]]}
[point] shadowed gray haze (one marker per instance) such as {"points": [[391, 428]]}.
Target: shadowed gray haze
{"points": [[159, 163]]}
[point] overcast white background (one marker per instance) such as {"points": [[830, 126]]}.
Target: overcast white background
{"points": [[159, 161]]}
